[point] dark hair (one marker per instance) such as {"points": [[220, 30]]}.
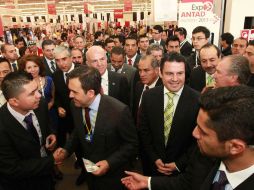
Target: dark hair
{"points": [[3, 59], [34, 58], [228, 37], [159, 28], [89, 78], [22, 51], [99, 43], [206, 46], [182, 31], [118, 51], [120, 38], [46, 43], [131, 37], [230, 111], [97, 34], [240, 67], [203, 30], [108, 40], [172, 57], [13, 83], [19, 40], [142, 36], [172, 38]]}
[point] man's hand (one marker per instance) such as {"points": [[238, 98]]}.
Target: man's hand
{"points": [[135, 181], [51, 142], [59, 155], [162, 168], [61, 112], [103, 168]]}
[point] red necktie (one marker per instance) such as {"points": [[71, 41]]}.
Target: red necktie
{"points": [[130, 62]]}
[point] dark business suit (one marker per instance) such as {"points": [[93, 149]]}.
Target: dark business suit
{"points": [[226, 51], [152, 126], [135, 64], [114, 140], [186, 49], [21, 164], [48, 72], [199, 175], [62, 100], [118, 87], [137, 95], [198, 79]]}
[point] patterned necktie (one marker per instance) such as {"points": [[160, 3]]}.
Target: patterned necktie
{"points": [[88, 122], [222, 181], [168, 116], [209, 80], [53, 66], [130, 62], [30, 127]]}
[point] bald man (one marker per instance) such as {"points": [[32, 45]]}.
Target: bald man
{"points": [[112, 83]]}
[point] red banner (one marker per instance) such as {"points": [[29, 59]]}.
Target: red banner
{"points": [[127, 24], [52, 9], [1, 27], [127, 5], [86, 8], [118, 13]]}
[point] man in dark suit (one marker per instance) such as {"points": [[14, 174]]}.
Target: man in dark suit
{"points": [[203, 75], [103, 126], [227, 137], [79, 43], [226, 41], [148, 68], [173, 44], [10, 53], [131, 50], [25, 137], [200, 37], [48, 59], [185, 46], [168, 117], [112, 83], [156, 34]]}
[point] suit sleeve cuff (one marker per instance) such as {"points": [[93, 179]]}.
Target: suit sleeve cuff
{"points": [[149, 183]]}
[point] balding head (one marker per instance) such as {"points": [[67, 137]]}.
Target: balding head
{"points": [[96, 57]]}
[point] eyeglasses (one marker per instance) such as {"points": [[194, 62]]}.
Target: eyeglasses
{"points": [[197, 39]]}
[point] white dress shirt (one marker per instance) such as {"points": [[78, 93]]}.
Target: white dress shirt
{"points": [[104, 82]]}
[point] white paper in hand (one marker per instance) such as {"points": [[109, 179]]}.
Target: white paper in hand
{"points": [[90, 166]]}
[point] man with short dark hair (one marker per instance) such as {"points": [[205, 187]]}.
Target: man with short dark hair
{"points": [[239, 46], [156, 34], [185, 46], [200, 37], [224, 134], [49, 62], [249, 53], [143, 44], [131, 49], [173, 44], [109, 44], [25, 137], [168, 116], [226, 42], [108, 142], [10, 53], [77, 56]]}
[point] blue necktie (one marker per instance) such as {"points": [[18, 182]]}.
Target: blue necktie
{"points": [[30, 127]]}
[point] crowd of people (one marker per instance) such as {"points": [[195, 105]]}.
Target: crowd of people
{"points": [[182, 108]]}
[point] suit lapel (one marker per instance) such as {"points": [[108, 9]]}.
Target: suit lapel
{"points": [[111, 84]]}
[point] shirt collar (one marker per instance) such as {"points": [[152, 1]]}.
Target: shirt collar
{"points": [[48, 61], [153, 84], [178, 93], [20, 117], [72, 67], [95, 104], [105, 75], [132, 59], [236, 178]]}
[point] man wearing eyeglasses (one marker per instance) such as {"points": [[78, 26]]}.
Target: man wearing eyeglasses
{"points": [[239, 46], [200, 37], [156, 34]]}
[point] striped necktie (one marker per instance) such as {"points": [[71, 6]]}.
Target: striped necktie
{"points": [[168, 116]]}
